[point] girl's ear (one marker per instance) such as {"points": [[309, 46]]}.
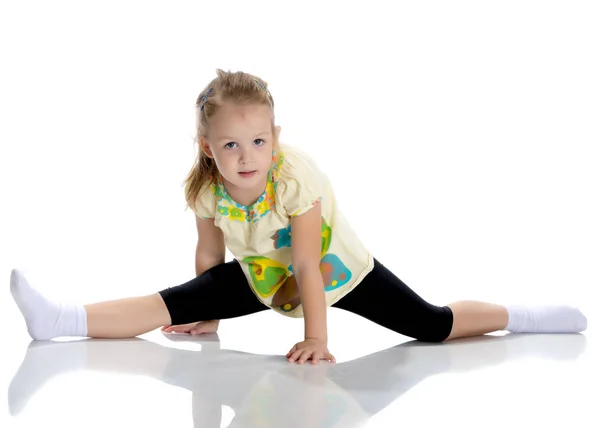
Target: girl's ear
{"points": [[205, 147], [277, 132]]}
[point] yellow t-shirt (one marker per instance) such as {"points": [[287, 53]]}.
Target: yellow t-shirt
{"points": [[259, 235]]}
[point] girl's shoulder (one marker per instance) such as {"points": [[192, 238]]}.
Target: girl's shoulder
{"points": [[205, 202], [296, 163], [300, 181]]}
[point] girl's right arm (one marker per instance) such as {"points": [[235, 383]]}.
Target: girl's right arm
{"points": [[210, 250]]}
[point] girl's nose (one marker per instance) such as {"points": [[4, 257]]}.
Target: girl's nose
{"points": [[245, 157]]}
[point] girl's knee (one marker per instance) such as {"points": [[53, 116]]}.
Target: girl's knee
{"points": [[437, 325]]}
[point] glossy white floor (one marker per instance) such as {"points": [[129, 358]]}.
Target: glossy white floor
{"points": [[240, 379]]}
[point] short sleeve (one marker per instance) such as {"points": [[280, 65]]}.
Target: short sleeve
{"points": [[300, 185], [205, 205]]}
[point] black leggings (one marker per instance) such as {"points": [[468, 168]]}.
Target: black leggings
{"points": [[223, 292]]}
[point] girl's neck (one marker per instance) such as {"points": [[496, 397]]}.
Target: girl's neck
{"points": [[245, 197]]}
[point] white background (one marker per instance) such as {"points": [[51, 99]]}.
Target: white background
{"points": [[462, 139]]}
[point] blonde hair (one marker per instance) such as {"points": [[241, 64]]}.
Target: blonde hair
{"points": [[228, 87]]}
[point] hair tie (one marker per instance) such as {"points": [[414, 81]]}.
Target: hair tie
{"points": [[204, 99], [260, 84], [265, 89]]}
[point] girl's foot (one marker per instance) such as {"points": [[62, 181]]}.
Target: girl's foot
{"points": [[46, 319], [545, 319]]}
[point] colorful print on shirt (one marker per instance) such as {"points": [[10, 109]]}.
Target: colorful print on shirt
{"points": [[269, 276]]}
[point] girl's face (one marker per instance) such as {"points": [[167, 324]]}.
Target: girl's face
{"points": [[241, 142]]}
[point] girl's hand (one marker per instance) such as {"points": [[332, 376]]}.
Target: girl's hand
{"points": [[310, 349], [195, 328]]}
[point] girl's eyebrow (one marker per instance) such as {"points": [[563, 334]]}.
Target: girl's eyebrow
{"points": [[231, 138]]}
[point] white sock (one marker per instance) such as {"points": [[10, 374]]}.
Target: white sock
{"points": [[545, 319], [46, 319]]}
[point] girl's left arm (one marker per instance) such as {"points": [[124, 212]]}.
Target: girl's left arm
{"points": [[306, 258]]}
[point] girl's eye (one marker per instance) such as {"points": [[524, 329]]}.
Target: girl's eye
{"points": [[232, 144]]}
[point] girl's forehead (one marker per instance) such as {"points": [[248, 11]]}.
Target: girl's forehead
{"points": [[254, 118], [229, 110]]}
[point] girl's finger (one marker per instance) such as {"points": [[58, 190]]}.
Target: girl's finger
{"points": [[305, 356], [291, 351], [179, 329], [295, 355], [299, 355]]}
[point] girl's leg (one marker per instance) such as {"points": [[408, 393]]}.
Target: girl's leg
{"points": [[472, 318], [127, 317], [384, 299], [219, 293]]}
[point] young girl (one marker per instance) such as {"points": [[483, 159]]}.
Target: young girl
{"points": [[295, 253]]}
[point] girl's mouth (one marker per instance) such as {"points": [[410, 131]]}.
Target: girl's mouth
{"points": [[247, 174]]}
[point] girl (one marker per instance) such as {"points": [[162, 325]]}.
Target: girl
{"points": [[295, 253]]}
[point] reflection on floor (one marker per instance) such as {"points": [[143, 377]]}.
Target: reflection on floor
{"points": [[238, 389]]}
